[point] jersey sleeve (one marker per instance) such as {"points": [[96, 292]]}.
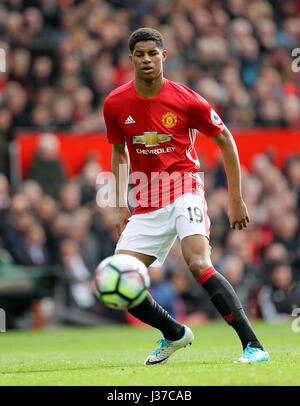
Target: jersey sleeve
{"points": [[204, 118], [114, 133]]}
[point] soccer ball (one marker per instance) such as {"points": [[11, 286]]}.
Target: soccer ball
{"points": [[121, 281]]}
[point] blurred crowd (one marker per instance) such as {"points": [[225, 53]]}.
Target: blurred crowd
{"points": [[62, 59], [55, 224], [64, 56]]}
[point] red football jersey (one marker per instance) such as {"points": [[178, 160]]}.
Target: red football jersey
{"points": [[160, 134]]}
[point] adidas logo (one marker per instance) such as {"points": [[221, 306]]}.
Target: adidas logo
{"points": [[129, 120]]}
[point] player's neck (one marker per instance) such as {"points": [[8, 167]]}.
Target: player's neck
{"points": [[149, 89]]}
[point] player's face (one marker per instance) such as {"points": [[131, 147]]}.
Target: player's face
{"points": [[147, 59]]}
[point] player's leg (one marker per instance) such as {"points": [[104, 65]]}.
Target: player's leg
{"points": [[175, 335], [196, 252], [149, 311], [150, 236], [146, 259]]}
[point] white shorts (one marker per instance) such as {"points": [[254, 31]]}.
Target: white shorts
{"points": [[153, 233]]}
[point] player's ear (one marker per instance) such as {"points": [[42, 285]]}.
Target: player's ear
{"points": [[130, 58], [164, 54]]}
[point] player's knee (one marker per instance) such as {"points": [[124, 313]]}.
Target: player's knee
{"points": [[198, 264]]}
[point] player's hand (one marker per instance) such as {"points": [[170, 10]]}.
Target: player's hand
{"points": [[123, 214], [238, 214]]}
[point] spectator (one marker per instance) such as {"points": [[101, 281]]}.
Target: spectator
{"points": [[42, 71], [20, 67], [4, 205], [70, 197], [78, 275], [293, 175], [33, 191], [164, 292], [47, 169], [46, 209], [39, 37], [63, 111], [279, 296], [276, 252], [80, 231], [16, 100], [6, 121], [83, 103], [35, 252], [59, 228], [14, 239], [291, 112], [104, 231], [88, 181], [243, 280], [286, 228], [40, 118], [196, 306], [269, 113]]}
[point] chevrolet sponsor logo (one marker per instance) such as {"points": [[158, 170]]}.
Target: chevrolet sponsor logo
{"points": [[151, 138]]}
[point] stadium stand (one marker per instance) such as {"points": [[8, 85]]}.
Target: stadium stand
{"points": [[62, 59]]}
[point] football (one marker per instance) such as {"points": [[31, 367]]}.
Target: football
{"points": [[121, 281]]}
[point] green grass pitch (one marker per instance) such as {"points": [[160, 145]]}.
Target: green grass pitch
{"points": [[114, 356]]}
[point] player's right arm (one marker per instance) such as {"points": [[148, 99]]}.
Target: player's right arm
{"points": [[120, 170], [119, 162], [207, 121]]}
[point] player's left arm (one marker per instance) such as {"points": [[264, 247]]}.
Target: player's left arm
{"points": [[237, 210]]}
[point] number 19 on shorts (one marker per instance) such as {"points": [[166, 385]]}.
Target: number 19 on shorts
{"points": [[195, 214]]}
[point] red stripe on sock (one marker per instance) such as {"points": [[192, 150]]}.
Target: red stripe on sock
{"points": [[205, 275]]}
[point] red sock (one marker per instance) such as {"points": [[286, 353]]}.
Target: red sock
{"points": [[205, 275]]}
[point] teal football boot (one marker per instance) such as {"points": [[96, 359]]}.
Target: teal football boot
{"points": [[253, 354]]}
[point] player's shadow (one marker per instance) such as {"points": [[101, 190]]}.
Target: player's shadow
{"points": [[201, 363], [79, 368], [121, 366], [48, 370]]}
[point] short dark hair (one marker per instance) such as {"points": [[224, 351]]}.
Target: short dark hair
{"points": [[145, 34], [272, 266]]}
